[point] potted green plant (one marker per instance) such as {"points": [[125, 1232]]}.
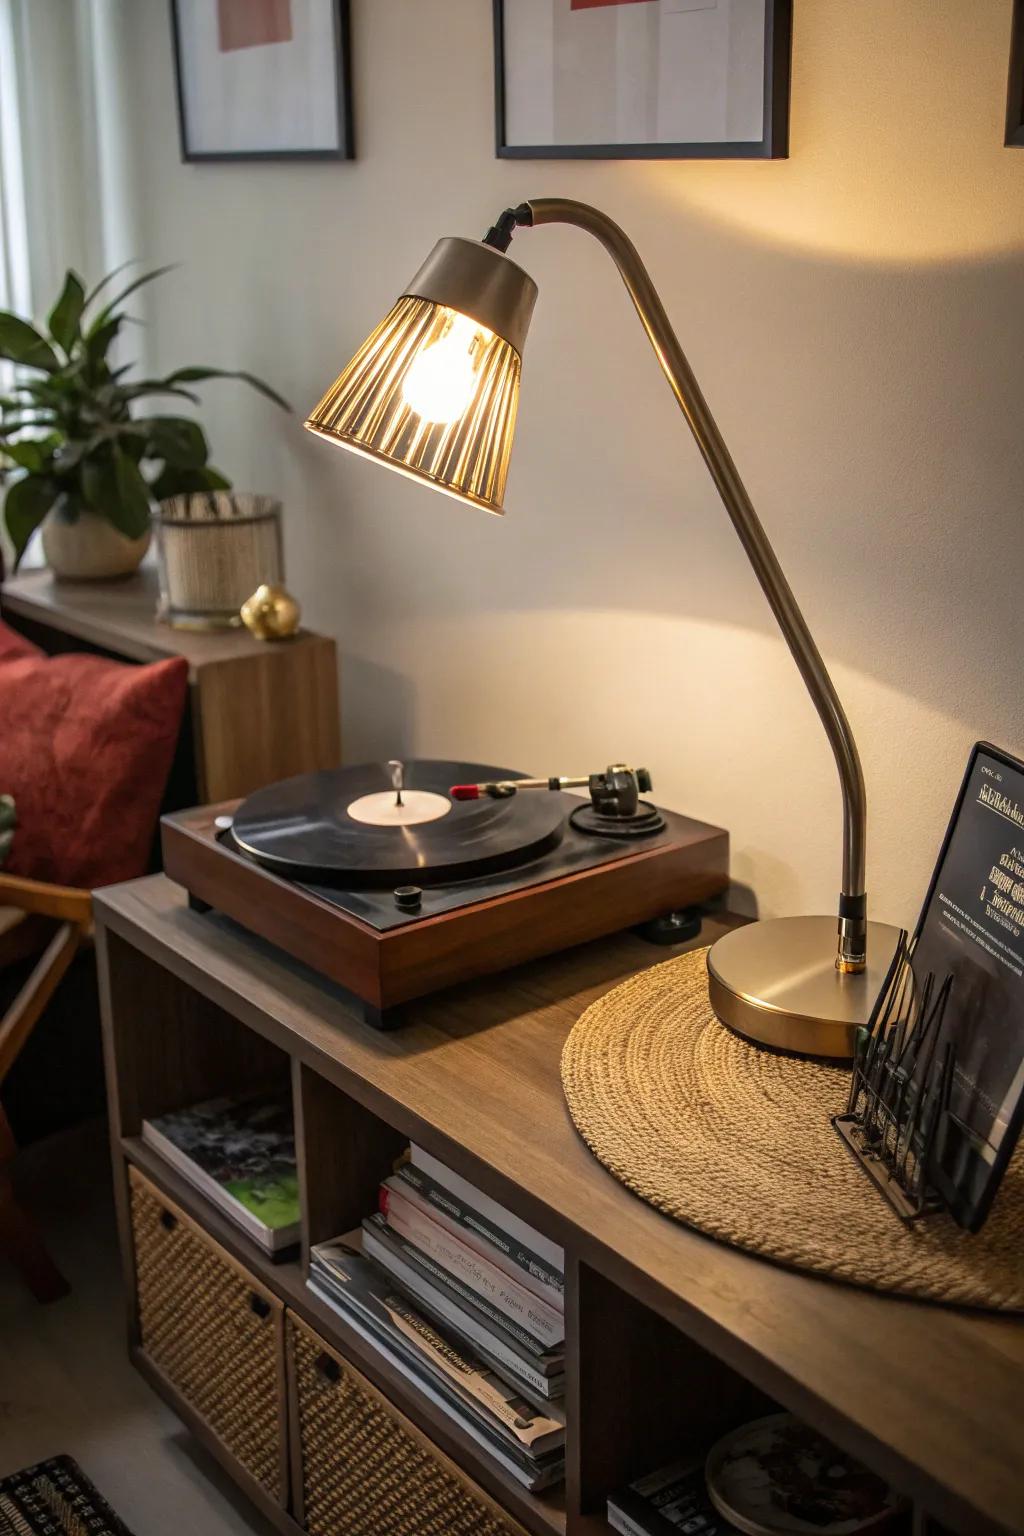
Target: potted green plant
{"points": [[76, 454]]}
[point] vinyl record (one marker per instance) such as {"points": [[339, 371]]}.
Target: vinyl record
{"points": [[344, 826]]}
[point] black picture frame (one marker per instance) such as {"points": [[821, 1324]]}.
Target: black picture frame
{"points": [[1015, 86], [773, 144], [343, 84]]}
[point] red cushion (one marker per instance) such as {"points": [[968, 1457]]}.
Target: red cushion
{"points": [[85, 748]]}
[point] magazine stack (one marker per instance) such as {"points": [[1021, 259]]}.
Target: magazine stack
{"points": [[240, 1153], [468, 1301]]}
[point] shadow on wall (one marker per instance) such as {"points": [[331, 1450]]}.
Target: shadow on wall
{"points": [[380, 711]]}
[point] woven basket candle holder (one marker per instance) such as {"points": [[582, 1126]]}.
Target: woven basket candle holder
{"points": [[215, 548]]}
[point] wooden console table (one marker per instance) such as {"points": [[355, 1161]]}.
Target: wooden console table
{"points": [[670, 1337], [258, 712]]}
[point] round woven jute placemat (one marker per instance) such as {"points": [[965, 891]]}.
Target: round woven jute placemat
{"points": [[737, 1141]]}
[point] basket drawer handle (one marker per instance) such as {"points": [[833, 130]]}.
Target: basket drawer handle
{"points": [[328, 1369], [259, 1304], [168, 1220]]}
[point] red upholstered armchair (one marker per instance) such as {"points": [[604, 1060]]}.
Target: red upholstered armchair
{"points": [[86, 746]]}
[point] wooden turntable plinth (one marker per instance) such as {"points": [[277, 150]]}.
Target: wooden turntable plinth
{"points": [[539, 912]]}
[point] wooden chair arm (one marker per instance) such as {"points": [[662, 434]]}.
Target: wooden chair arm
{"points": [[20, 1019], [22, 935], [66, 903]]}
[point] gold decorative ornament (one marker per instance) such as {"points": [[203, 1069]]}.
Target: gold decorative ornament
{"points": [[271, 613]]}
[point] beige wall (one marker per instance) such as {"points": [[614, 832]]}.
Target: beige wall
{"points": [[856, 315]]}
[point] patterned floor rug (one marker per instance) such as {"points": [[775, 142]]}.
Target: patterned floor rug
{"points": [[55, 1498]]}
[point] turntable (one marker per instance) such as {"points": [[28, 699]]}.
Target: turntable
{"points": [[395, 880]]}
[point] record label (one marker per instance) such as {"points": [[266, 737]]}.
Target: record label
{"points": [[387, 809]]}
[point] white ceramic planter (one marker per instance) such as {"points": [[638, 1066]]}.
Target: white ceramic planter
{"points": [[90, 548]]}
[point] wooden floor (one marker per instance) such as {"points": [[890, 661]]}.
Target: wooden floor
{"points": [[65, 1382]]}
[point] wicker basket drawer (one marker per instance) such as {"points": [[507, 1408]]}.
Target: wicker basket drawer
{"points": [[214, 1332], [360, 1468]]}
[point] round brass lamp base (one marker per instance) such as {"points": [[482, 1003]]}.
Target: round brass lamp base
{"points": [[777, 982]]}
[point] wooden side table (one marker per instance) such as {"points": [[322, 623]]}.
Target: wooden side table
{"points": [[258, 711]]}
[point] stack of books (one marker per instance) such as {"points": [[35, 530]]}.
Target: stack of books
{"points": [[673, 1501], [467, 1301], [239, 1153]]}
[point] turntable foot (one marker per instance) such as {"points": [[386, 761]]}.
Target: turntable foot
{"points": [[673, 927], [382, 1018], [196, 905]]}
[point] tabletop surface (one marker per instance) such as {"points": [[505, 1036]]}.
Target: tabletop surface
{"points": [[930, 1394], [121, 616]]}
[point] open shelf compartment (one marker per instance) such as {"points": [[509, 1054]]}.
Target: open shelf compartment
{"points": [[643, 1395], [654, 1357]]}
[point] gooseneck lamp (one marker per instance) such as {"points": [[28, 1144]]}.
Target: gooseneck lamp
{"points": [[433, 393]]}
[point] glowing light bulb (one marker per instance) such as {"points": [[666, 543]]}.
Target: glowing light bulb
{"points": [[442, 380]]}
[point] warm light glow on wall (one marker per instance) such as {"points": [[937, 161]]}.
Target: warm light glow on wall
{"points": [[905, 214], [896, 153]]}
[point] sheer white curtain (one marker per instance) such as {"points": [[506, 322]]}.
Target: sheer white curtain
{"points": [[15, 287], [66, 188], [65, 149], [15, 282]]}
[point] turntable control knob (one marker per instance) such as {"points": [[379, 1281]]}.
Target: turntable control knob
{"points": [[408, 897]]}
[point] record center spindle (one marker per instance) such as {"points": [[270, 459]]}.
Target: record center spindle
{"points": [[402, 808]]}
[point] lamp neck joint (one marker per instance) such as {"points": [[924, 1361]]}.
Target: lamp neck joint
{"points": [[499, 236]]}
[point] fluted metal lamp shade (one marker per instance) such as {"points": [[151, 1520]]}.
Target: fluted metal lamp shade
{"points": [[433, 391]]}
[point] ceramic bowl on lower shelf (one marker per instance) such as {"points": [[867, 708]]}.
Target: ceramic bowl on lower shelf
{"points": [[777, 1476]]}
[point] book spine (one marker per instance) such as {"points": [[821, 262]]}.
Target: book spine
{"points": [[542, 1392], [542, 1322], [679, 1505], [499, 1216], [510, 1257], [422, 1361], [521, 1467], [493, 1320], [464, 1216], [624, 1524], [446, 1311], [503, 1408]]}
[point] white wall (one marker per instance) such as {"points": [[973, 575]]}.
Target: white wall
{"points": [[856, 316]]}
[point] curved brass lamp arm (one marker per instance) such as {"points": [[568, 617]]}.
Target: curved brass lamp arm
{"points": [[655, 321]]}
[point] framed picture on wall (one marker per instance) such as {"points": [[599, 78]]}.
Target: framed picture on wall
{"points": [[642, 79], [263, 79], [1015, 92]]}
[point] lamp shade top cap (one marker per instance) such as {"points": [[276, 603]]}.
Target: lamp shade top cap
{"points": [[476, 280]]}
